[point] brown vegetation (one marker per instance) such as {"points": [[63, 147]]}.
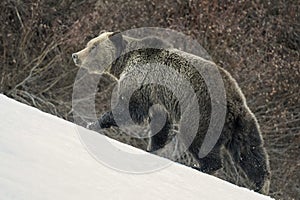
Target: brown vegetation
{"points": [[257, 41]]}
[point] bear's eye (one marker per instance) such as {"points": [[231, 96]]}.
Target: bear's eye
{"points": [[94, 46]]}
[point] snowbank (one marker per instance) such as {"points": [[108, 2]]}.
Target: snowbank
{"points": [[41, 157]]}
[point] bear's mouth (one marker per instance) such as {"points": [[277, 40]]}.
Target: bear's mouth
{"points": [[77, 63]]}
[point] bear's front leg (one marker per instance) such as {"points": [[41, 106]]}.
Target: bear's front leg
{"points": [[105, 121]]}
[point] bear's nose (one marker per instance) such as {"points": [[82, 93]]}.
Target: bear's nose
{"points": [[76, 59], [74, 56]]}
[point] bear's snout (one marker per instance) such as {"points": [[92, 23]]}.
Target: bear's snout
{"points": [[76, 59]]}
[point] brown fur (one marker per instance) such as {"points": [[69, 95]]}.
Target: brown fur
{"points": [[240, 136]]}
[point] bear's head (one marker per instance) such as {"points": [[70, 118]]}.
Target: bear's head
{"points": [[100, 52]]}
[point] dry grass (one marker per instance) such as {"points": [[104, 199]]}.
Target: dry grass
{"points": [[257, 41]]}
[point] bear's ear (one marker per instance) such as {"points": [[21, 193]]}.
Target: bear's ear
{"points": [[118, 41], [102, 31], [117, 33]]}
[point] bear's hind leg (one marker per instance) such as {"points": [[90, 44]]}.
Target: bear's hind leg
{"points": [[210, 163], [246, 148]]}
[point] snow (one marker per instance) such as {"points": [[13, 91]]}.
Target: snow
{"points": [[42, 157]]}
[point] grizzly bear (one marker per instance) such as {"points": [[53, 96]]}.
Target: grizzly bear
{"points": [[112, 53]]}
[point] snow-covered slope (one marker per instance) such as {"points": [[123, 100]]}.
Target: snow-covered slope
{"points": [[41, 157]]}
